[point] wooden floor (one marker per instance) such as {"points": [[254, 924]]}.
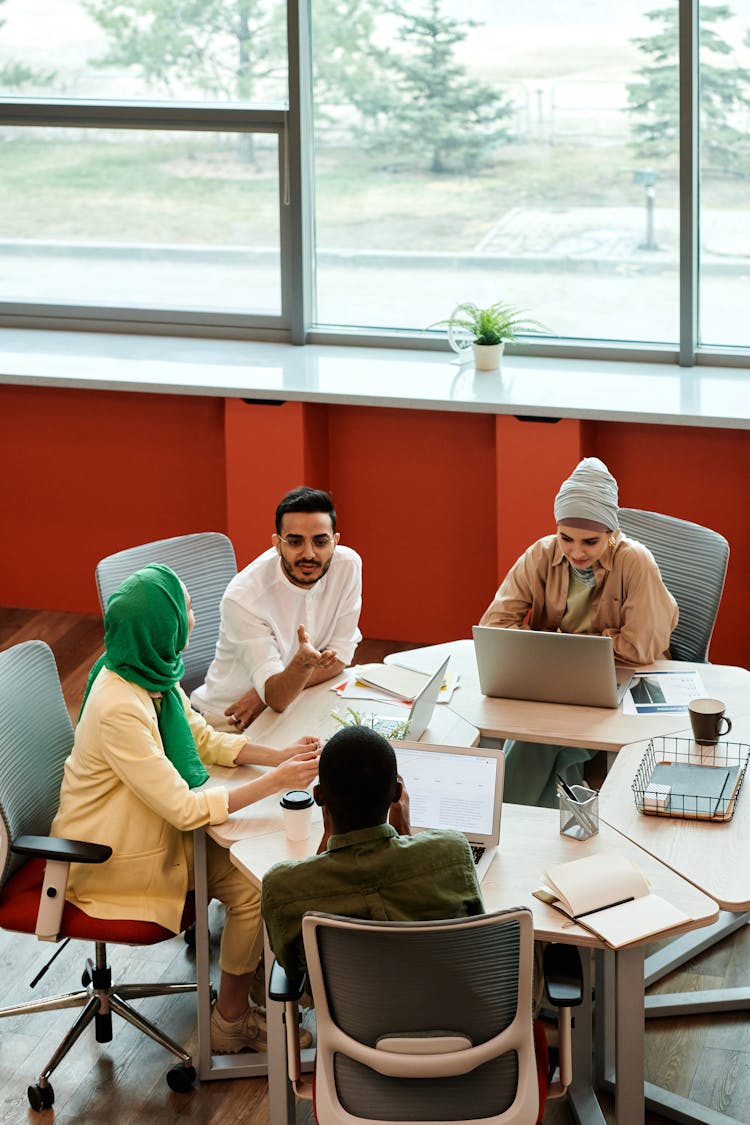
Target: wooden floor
{"points": [[123, 1082]]}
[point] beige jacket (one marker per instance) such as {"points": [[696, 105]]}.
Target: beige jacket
{"points": [[120, 789], [631, 604]]}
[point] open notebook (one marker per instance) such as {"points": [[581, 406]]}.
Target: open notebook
{"points": [[455, 787], [609, 895]]}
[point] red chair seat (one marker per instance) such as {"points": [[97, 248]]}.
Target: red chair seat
{"points": [[19, 905]]}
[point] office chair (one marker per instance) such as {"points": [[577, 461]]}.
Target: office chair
{"points": [[206, 564], [426, 1021], [36, 737], [693, 564]]}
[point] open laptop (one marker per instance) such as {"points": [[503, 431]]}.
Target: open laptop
{"points": [[420, 713], [455, 787], [549, 667]]}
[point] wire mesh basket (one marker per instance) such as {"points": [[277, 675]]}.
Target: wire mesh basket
{"points": [[680, 778]]}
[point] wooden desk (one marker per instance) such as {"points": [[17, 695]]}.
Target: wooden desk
{"points": [[310, 713], [596, 728], [529, 842], [712, 856]]}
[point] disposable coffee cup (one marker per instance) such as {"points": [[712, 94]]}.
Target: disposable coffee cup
{"points": [[708, 720], [297, 811]]}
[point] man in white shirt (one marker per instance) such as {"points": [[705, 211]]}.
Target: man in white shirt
{"points": [[288, 620]]}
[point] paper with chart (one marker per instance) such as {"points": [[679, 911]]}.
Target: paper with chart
{"points": [[662, 693]]}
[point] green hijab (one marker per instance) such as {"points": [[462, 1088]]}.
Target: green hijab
{"points": [[145, 630]]}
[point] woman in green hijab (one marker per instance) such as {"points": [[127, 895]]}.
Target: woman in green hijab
{"points": [[131, 781]]}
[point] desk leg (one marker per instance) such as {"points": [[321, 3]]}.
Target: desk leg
{"points": [[581, 1097], [620, 1029], [247, 1064], [281, 1099], [202, 955]]}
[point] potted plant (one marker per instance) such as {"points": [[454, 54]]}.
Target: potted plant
{"points": [[487, 329]]}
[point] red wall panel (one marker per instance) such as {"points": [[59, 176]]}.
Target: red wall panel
{"points": [[86, 473]]}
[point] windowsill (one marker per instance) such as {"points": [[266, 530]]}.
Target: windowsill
{"points": [[529, 386]]}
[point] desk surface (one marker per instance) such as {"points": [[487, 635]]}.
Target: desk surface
{"points": [[529, 842], [310, 713], [712, 856], [597, 728]]}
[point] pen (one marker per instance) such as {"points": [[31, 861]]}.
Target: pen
{"points": [[566, 789]]}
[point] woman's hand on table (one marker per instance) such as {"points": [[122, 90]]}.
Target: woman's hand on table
{"points": [[299, 771], [302, 745]]}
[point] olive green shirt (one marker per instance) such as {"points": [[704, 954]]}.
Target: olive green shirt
{"points": [[371, 873]]}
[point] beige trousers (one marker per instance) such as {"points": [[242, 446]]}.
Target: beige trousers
{"points": [[242, 939]]}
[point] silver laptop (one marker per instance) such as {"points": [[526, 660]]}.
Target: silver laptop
{"points": [[549, 667], [420, 713], [455, 787]]}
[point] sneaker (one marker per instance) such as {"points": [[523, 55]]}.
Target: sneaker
{"points": [[248, 1033]]}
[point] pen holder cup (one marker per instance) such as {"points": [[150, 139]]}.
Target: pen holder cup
{"points": [[579, 819]]}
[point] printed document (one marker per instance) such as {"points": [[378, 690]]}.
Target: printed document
{"points": [[662, 693]]}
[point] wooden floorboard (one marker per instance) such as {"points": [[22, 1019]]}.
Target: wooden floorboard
{"points": [[123, 1082]]}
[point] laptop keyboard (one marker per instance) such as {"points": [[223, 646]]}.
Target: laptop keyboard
{"points": [[477, 851]]}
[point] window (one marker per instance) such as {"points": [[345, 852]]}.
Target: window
{"points": [[469, 152], [320, 167]]}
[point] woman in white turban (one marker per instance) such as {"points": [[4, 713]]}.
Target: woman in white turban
{"points": [[586, 578]]}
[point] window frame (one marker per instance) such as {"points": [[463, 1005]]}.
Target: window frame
{"points": [[293, 127]]}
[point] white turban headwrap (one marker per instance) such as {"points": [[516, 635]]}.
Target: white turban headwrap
{"points": [[588, 496]]}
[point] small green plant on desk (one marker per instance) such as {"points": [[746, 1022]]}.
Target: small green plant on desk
{"points": [[352, 718]]}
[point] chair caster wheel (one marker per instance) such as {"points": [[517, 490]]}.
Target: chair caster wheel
{"points": [[41, 1097], [181, 1078]]}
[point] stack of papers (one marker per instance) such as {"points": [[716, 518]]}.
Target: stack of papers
{"points": [[696, 791], [396, 686]]}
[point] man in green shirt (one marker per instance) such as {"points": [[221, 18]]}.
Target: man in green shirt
{"points": [[368, 865]]}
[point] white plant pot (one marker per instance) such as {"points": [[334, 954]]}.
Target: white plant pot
{"points": [[487, 356]]}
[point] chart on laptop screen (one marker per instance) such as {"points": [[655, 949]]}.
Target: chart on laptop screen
{"points": [[449, 790]]}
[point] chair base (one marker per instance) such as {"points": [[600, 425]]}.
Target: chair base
{"points": [[99, 999]]}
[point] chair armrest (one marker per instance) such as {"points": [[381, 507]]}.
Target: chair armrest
{"points": [[284, 986], [64, 851], [563, 975]]}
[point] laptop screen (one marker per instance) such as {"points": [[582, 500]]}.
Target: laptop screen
{"points": [[448, 790]]}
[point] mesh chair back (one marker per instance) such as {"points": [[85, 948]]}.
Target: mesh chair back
{"points": [[36, 736], [693, 564], [206, 564], [470, 978]]}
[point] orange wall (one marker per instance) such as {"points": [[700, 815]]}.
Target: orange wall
{"points": [[85, 473], [438, 504]]}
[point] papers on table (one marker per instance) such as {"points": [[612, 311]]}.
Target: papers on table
{"points": [[662, 693], [355, 688]]}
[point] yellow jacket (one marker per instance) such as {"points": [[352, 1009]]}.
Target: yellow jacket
{"points": [[631, 604], [120, 789]]}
